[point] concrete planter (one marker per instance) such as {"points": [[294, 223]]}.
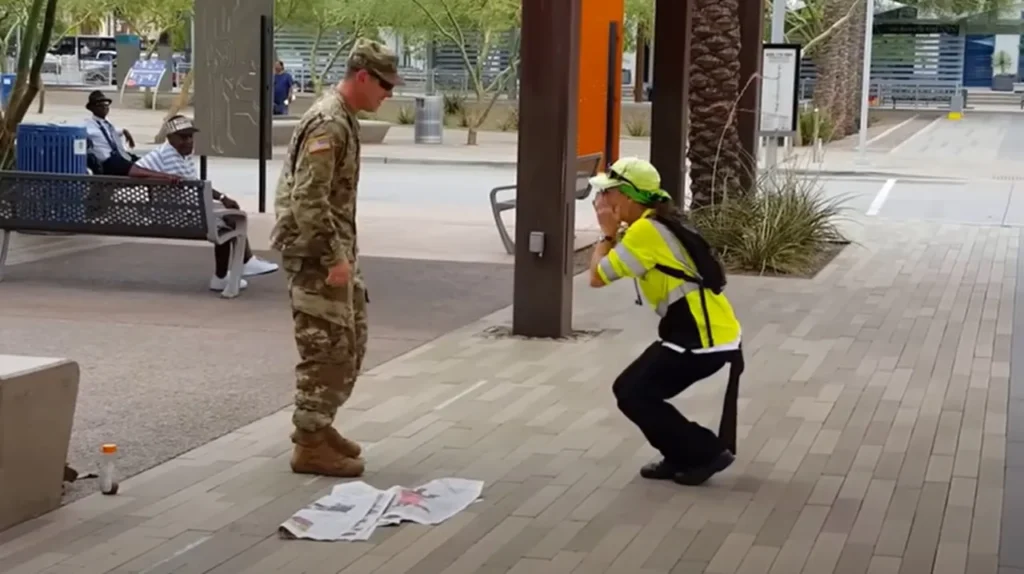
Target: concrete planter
{"points": [[373, 131], [1003, 82], [370, 131]]}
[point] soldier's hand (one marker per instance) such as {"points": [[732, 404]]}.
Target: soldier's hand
{"points": [[339, 275]]}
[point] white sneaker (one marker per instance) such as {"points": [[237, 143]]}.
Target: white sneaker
{"points": [[256, 266], [219, 284]]}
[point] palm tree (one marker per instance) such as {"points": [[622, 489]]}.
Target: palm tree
{"points": [[834, 86], [715, 151]]}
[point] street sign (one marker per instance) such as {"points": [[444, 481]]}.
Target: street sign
{"points": [[145, 74], [780, 89]]}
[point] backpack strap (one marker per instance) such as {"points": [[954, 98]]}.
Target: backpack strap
{"points": [[678, 274], [730, 404]]}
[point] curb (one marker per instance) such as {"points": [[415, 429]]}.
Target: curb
{"points": [[438, 161], [846, 173]]}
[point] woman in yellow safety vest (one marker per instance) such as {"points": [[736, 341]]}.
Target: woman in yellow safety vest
{"points": [[698, 332]]}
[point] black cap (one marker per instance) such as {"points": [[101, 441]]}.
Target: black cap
{"points": [[97, 97]]}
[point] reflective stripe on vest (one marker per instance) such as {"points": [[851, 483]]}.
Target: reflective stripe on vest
{"points": [[687, 287]]}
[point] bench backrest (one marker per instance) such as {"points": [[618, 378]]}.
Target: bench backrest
{"points": [[106, 205], [586, 168]]}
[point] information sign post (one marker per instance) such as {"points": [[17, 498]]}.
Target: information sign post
{"points": [[780, 88], [145, 74]]}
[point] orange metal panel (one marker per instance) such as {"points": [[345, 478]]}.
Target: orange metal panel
{"points": [[595, 19]]}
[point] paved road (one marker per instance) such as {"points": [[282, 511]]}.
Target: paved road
{"points": [[464, 189]]}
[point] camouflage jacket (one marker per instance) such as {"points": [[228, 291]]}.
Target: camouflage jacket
{"points": [[316, 193]]}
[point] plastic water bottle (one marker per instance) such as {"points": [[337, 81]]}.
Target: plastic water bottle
{"points": [[108, 469]]}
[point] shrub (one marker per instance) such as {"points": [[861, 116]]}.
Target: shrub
{"points": [[636, 126], [788, 226], [805, 136], [454, 104], [406, 116], [511, 121]]}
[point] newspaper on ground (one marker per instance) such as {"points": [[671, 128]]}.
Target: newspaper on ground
{"points": [[353, 510]]}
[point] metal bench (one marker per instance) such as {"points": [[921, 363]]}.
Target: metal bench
{"points": [[586, 168], [917, 92], [119, 206]]}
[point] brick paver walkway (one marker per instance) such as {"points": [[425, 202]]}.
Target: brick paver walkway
{"points": [[873, 441]]}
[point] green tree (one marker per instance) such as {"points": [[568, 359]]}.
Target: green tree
{"points": [[639, 30], [353, 18], [479, 25], [35, 41], [152, 18]]}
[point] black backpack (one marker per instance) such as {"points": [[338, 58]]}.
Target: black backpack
{"points": [[710, 270]]}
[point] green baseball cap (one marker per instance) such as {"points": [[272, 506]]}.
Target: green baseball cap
{"points": [[377, 59]]}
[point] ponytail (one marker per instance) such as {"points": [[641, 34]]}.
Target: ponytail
{"points": [[668, 210]]}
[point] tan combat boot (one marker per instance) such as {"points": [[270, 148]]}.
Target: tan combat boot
{"points": [[349, 448], [314, 454]]}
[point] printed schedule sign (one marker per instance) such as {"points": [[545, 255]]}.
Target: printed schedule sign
{"points": [[780, 85], [145, 74]]}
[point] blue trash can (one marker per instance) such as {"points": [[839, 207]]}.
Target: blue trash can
{"points": [[51, 148], [6, 89]]}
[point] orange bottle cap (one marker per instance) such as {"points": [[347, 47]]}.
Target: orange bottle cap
{"points": [[109, 448]]}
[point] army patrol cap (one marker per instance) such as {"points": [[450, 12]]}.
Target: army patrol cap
{"points": [[377, 59]]}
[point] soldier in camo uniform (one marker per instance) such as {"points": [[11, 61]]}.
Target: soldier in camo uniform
{"points": [[316, 236]]}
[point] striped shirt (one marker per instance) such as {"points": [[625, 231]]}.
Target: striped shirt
{"points": [[166, 159]]}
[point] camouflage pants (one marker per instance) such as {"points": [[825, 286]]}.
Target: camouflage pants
{"points": [[330, 334]]}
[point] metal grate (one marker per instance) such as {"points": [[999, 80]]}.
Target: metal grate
{"points": [[102, 205]]}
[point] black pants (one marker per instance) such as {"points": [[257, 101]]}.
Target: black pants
{"points": [[117, 164], [222, 254], [643, 390]]}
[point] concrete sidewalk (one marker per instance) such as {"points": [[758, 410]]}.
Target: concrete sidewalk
{"points": [[874, 439]]}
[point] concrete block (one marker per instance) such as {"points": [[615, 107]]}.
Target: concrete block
{"points": [[37, 409]]}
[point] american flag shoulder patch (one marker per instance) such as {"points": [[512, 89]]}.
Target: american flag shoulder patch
{"points": [[320, 144]]}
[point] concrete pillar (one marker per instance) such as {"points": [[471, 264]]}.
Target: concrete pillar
{"points": [[165, 52], [546, 169], [670, 77], [128, 52]]}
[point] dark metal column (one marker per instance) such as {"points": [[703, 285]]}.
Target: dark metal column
{"points": [[546, 173], [670, 79], [751, 39]]}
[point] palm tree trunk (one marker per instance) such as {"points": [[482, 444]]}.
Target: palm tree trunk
{"points": [[831, 90], [715, 151]]}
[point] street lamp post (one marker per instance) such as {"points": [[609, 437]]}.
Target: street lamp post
{"points": [[778, 37]]}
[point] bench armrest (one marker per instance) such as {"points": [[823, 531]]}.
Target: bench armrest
{"points": [[497, 190], [225, 212]]}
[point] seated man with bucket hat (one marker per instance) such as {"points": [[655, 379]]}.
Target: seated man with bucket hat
{"points": [[174, 158]]}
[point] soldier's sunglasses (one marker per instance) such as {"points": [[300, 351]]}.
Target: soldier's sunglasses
{"points": [[383, 83]]}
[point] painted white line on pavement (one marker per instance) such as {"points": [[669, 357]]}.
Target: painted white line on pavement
{"points": [[176, 554], [883, 194], [891, 130], [916, 135], [452, 400]]}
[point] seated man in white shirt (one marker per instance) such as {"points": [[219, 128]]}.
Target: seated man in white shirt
{"points": [[174, 157], [105, 143]]}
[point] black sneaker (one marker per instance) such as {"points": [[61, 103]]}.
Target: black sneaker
{"points": [[699, 475], [660, 470]]}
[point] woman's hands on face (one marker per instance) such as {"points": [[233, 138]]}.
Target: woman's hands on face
{"points": [[607, 218]]}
